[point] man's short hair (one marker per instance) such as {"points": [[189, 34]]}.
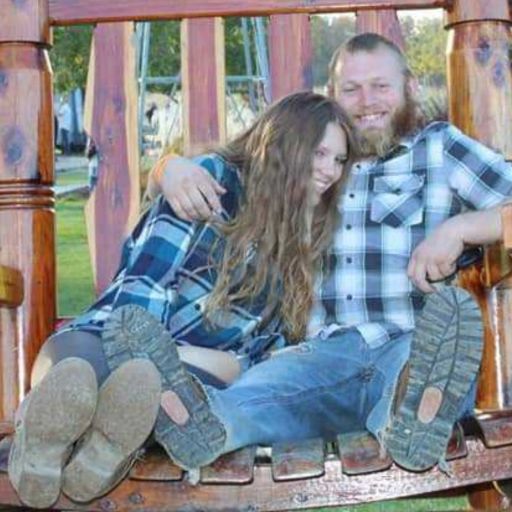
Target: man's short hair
{"points": [[366, 42]]}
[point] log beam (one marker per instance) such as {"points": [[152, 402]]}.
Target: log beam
{"points": [[27, 223], [74, 12]]}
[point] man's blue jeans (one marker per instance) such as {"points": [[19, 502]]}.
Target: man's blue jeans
{"points": [[319, 388]]}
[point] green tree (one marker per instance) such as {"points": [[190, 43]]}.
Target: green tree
{"points": [[426, 48], [70, 56], [327, 34]]}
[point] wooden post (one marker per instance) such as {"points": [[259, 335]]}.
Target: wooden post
{"points": [[203, 74], [26, 197], [480, 93], [291, 54], [111, 119], [384, 22]]}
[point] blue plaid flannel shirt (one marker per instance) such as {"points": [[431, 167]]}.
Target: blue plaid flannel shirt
{"points": [[388, 207], [166, 267]]}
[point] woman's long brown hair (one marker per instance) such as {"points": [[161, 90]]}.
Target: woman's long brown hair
{"points": [[275, 242]]}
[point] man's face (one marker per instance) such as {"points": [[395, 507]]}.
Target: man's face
{"points": [[370, 86]]}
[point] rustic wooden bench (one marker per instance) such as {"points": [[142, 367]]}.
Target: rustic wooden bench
{"points": [[284, 477]]}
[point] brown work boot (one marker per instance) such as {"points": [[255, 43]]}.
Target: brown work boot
{"points": [[56, 413], [186, 427], [125, 415], [446, 353]]}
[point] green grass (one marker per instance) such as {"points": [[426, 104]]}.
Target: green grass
{"points": [[73, 177], [75, 291], [74, 274]]}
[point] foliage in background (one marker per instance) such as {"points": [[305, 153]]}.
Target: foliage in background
{"points": [[327, 34], [70, 57], [426, 47], [425, 38]]}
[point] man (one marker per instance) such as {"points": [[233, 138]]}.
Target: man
{"points": [[403, 225]]}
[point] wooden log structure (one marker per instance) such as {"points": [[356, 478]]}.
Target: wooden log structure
{"points": [[480, 92], [289, 476], [110, 119], [26, 197]]}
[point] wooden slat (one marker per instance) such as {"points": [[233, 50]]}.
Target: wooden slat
{"points": [[156, 465], [203, 83], [295, 460], [496, 428], [11, 287], [457, 445], [384, 22], [111, 119], [236, 467], [290, 54], [332, 489], [68, 12], [506, 221], [360, 453]]}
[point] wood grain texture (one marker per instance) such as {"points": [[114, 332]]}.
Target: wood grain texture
{"points": [[480, 100], [461, 11], [480, 83], [203, 83], [110, 118], [264, 494], [27, 223], [68, 12], [290, 54], [24, 21], [384, 22]]}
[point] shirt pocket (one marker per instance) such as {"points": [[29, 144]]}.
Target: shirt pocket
{"points": [[398, 200]]}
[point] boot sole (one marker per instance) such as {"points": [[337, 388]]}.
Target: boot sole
{"points": [[125, 416], [59, 411], [446, 354], [200, 440]]}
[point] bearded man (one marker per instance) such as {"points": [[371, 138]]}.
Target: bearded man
{"points": [[415, 198]]}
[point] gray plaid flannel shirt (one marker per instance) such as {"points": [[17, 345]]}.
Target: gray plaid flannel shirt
{"points": [[388, 207]]}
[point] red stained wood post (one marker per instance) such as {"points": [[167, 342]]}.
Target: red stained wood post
{"points": [[203, 83], [26, 197], [290, 54], [384, 22], [480, 90], [480, 86], [111, 120]]}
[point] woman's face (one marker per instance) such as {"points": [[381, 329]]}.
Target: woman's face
{"points": [[328, 160]]}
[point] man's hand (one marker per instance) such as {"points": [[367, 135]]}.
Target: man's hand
{"points": [[435, 258], [191, 191]]}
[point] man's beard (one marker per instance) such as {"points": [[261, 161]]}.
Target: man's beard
{"points": [[378, 142]]}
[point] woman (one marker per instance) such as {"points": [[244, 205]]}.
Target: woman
{"points": [[229, 291]]}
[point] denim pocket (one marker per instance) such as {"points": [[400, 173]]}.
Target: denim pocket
{"points": [[398, 200]]}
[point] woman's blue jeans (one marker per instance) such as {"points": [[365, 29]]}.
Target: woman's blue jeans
{"points": [[319, 388]]}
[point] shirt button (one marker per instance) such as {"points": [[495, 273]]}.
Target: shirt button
{"points": [[349, 297], [197, 307], [348, 226], [349, 260], [351, 196]]}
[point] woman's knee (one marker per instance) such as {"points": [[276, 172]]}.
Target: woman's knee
{"points": [[62, 345]]}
